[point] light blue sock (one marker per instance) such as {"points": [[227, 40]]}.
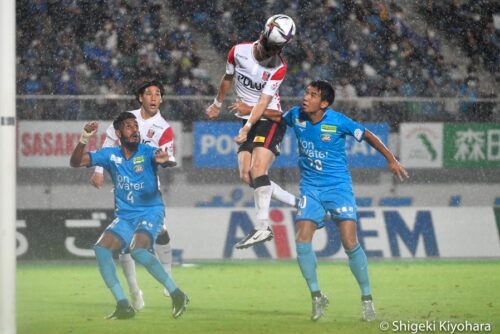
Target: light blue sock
{"points": [[307, 263], [107, 268], [154, 267], [359, 267]]}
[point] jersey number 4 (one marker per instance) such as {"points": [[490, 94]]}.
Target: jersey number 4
{"points": [[130, 197]]}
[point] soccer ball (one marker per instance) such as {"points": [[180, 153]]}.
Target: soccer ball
{"points": [[279, 30]]}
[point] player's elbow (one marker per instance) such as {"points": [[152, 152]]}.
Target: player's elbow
{"points": [[75, 162]]}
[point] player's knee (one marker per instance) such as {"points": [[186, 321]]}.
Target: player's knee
{"points": [[261, 181], [257, 170], [302, 239], [143, 256], [163, 238], [304, 232], [349, 243], [245, 177]]}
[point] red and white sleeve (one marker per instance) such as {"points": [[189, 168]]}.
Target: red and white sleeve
{"points": [[166, 143], [231, 63]]}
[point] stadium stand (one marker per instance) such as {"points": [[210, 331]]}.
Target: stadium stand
{"points": [[102, 48], [366, 47]]}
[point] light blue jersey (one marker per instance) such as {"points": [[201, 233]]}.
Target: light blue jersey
{"points": [[322, 156], [135, 180], [325, 180]]}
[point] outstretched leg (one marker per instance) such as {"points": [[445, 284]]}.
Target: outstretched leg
{"points": [[141, 252], [283, 196]]}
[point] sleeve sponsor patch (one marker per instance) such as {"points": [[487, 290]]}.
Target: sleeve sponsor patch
{"points": [[358, 133]]}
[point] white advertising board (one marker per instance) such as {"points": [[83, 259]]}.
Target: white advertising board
{"points": [[421, 145], [50, 143], [384, 232], [211, 233]]}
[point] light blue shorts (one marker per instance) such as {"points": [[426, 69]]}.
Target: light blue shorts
{"points": [[126, 225], [315, 203]]}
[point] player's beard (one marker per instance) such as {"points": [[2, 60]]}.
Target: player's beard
{"points": [[132, 145]]}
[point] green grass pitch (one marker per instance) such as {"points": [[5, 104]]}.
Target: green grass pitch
{"points": [[260, 297]]}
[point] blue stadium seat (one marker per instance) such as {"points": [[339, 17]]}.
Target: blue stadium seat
{"points": [[364, 201], [395, 201], [456, 200], [497, 201]]}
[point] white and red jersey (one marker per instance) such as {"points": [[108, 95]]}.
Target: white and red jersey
{"points": [[253, 78], [155, 131]]}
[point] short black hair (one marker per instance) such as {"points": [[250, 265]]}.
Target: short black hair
{"points": [[140, 90], [326, 90], [124, 115]]}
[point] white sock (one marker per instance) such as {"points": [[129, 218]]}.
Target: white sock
{"points": [[262, 198], [128, 266], [282, 195], [164, 254]]}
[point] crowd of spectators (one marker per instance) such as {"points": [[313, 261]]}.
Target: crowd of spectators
{"points": [[102, 47], [476, 26], [365, 47]]}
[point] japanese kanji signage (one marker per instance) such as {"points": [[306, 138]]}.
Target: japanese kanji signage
{"points": [[471, 145], [442, 145]]}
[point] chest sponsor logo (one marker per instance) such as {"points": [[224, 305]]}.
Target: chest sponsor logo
{"points": [[248, 83], [326, 137], [239, 55], [328, 128], [138, 160]]}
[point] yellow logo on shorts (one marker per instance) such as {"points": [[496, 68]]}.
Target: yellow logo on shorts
{"points": [[259, 139]]}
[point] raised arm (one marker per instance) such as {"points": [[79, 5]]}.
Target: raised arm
{"points": [[226, 82], [97, 179], [79, 158], [255, 115], [394, 165]]}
